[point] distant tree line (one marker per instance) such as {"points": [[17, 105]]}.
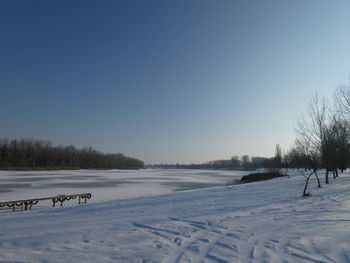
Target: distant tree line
{"points": [[31, 153], [235, 163]]}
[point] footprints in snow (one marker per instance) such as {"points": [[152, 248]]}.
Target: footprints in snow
{"points": [[194, 241]]}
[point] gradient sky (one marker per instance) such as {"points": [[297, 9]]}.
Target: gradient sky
{"points": [[168, 81]]}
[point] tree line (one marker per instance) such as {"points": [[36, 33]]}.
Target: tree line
{"points": [[323, 137], [32, 154], [245, 162]]}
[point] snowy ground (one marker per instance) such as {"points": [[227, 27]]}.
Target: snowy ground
{"points": [[259, 222]]}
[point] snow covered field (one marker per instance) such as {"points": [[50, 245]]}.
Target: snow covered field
{"points": [[259, 222]]}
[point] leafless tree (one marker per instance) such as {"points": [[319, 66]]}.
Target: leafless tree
{"points": [[311, 131], [341, 123], [323, 135], [342, 101]]}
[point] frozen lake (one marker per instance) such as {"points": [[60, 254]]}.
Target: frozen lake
{"points": [[108, 185]]}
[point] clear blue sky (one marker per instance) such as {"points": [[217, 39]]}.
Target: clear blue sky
{"points": [[168, 81]]}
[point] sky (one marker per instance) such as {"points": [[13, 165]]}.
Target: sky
{"points": [[168, 81]]}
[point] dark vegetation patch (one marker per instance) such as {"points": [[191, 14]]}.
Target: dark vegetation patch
{"points": [[255, 177]]}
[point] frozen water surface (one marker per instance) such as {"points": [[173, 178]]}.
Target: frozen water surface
{"points": [[108, 185]]}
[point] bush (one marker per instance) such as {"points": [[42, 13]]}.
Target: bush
{"points": [[255, 177]]}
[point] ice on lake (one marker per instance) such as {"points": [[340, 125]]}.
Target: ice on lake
{"points": [[108, 185]]}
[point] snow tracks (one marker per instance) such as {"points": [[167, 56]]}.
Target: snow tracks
{"points": [[240, 238]]}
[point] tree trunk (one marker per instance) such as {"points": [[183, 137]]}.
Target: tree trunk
{"points": [[336, 173], [333, 174], [305, 193], [327, 179], [318, 180]]}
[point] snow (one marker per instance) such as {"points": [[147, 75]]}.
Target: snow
{"points": [[259, 222], [106, 185]]}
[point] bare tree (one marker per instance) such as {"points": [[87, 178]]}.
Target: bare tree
{"points": [[337, 138], [311, 126], [323, 135], [341, 124], [311, 131], [342, 101], [310, 160]]}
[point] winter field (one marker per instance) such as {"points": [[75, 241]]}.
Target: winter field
{"points": [[259, 222]]}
